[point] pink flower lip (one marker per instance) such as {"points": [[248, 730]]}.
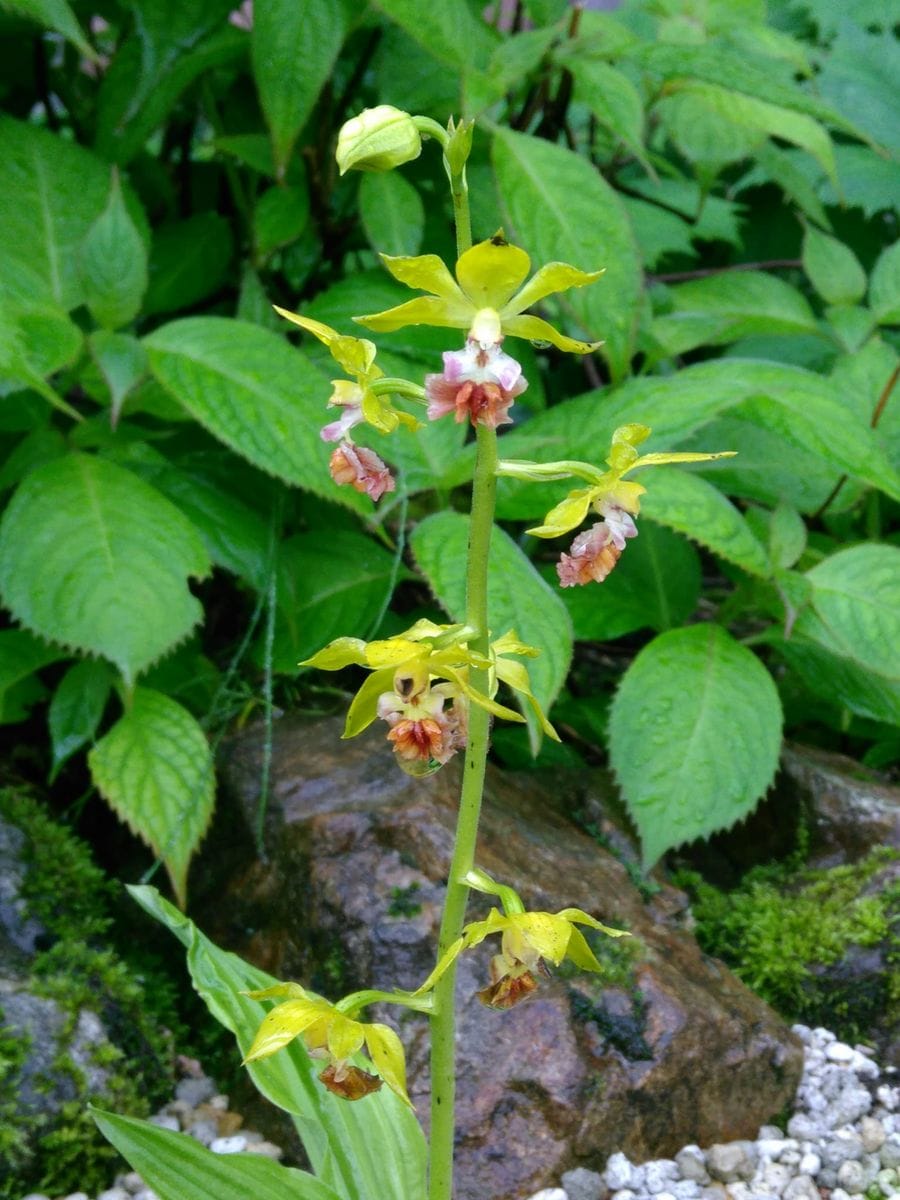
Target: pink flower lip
{"points": [[595, 552], [478, 382], [362, 469]]}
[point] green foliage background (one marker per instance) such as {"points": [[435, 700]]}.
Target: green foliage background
{"points": [[172, 544]]}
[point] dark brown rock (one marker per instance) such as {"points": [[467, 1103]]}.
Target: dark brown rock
{"points": [[851, 809], [670, 1048]]}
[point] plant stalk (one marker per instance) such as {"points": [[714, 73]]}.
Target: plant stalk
{"points": [[443, 1021]]}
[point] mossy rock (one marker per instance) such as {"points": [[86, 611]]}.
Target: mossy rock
{"points": [[822, 946], [76, 1025]]}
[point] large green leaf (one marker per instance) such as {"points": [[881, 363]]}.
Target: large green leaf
{"points": [[856, 594], [743, 303], [92, 557], [294, 47], [694, 736], [832, 268], [114, 264], [252, 391], [36, 340], [884, 290], [155, 768], [373, 1149], [168, 46], [613, 99], [518, 598], [52, 192], [690, 504], [655, 585], [329, 585], [838, 679], [177, 1167], [560, 207]]}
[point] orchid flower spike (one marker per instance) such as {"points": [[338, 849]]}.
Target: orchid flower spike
{"points": [[330, 1033], [487, 298]]}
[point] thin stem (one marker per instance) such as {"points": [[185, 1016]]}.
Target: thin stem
{"points": [[443, 1022], [769, 264], [460, 193]]}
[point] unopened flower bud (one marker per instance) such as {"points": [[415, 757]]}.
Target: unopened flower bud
{"points": [[459, 146], [379, 139]]}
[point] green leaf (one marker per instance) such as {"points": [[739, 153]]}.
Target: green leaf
{"points": [[450, 31], [884, 288], [52, 193], [780, 167], [177, 1167], [561, 208], [858, 76], [658, 231], [370, 1150], [690, 504], [655, 585], [188, 261], [155, 769], [77, 708], [252, 391], [856, 594], [168, 46], [294, 48], [36, 340], [329, 585], [763, 117], [787, 536], [745, 302], [833, 269], [94, 558], [838, 679], [518, 598], [122, 363], [694, 736], [55, 15], [280, 216], [35, 449], [614, 101], [392, 213], [21, 655], [114, 264]]}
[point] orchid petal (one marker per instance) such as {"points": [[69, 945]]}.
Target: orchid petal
{"points": [[632, 434], [364, 707], [580, 952], [386, 1052], [324, 333], [568, 514], [293, 990], [625, 494], [516, 675], [426, 272], [491, 706], [342, 652], [547, 934], [378, 413], [657, 460], [580, 917], [510, 644], [355, 355], [537, 330], [554, 277], [426, 310], [283, 1024], [450, 954], [390, 652], [490, 272], [345, 1036]]}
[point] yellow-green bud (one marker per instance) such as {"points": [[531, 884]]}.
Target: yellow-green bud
{"points": [[379, 139]]}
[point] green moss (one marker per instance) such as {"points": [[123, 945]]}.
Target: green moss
{"points": [[618, 958], [404, 902], [782, 921]]}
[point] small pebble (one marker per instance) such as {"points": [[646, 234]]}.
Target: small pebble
{"points": [[77, 1196], [270, 1150], [801, 1187], [166, 1121], [691, 1162], [619, 1172], [810, 1163], [840, 1052], [229, 1145], [550, 1194], [132, 1182], [113, 1193], [146, 1194], [194, 1091], [890, 1151], [581, 1184]]}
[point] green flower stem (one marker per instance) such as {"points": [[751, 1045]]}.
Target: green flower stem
{"points": [[460, 192], [443, 1021]]}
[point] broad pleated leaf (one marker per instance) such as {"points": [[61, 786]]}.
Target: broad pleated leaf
{"points": [[518, 598], [94, 558], [833, 269], [370, 1150], [560, 208], [392, 213], [884, 290], [155, 769], [252, 391], [694, 736], [113, 261], [450, 30], [856, 594], [177, 1167]]}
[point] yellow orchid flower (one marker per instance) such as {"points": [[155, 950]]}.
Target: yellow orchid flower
{"points": [[487, 297], [328, 1032], [528, 940], [595, 552], [428, 722], [366, 398]]}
